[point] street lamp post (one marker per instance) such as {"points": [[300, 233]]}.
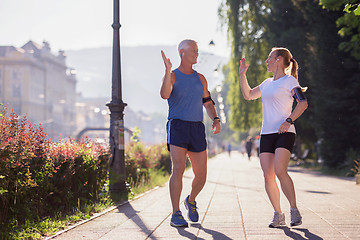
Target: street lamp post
{"points": [[117, 173]]}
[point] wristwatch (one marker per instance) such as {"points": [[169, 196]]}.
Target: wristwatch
{"points": [[289, 120], [216, 118]]}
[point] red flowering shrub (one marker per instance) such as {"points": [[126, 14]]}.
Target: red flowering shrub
{"points": [[140, 159], [39, 177], [80, 171], [19, 144], [162, 157]]}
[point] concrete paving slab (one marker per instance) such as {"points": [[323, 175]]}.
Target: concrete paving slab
{"points": [[234, 205]]}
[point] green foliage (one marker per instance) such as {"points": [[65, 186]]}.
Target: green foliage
{"points": [[287, 25], [76, 164], [328, 65], [135, 137], [353, 165], [332, 78], [141, 160], [348, 23], [356, 169], [49, 225], [245, 35], [41, 181], [355, 8]]}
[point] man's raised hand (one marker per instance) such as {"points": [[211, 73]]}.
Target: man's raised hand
{"points": [[167, 62]]}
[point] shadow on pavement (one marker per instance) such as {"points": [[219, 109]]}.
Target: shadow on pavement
{"points": [[228, 185], [292, 234], [215, 234], [131, 213], [186, 234], [319, 192]]}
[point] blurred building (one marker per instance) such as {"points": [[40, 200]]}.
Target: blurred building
{"points": [[93, 117], [37, 83], [92, 113]]}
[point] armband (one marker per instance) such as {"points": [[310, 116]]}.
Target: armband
{"points": [[299, 94], [207, 99]]}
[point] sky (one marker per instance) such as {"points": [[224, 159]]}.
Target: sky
{"points": [[78, 24]]}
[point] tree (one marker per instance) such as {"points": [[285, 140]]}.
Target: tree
{"points": [[333, 78], [244, 33], [285, 26], [312, 35], [348, 24], [355, 8]]}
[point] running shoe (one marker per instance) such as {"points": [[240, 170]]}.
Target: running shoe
{"points": [[278, 220], [193, 214], [177, 220], [295, 217]]}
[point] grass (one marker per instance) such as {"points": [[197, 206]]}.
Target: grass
{"points": [[157, 178], [48, 226]]}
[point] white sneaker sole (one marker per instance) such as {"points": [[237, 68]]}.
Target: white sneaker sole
{"points": [[178, 225], [296, 224]]}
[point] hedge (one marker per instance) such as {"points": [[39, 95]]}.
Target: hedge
{"points": [[39, 177]]}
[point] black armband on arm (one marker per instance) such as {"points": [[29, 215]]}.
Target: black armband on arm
{"points": [[299, 94], [207, 99]]}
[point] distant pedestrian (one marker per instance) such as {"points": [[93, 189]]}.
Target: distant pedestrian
{"points": [[257, 145], [249, 146], [278, 130], [187, 92], [229, 149]]}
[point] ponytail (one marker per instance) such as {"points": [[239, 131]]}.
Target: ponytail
{"points": [[288, 59], [294, 68], [294, 72], [290, 64]]}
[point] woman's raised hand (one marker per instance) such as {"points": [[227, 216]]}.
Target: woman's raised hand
{"points": [[243, 66]]}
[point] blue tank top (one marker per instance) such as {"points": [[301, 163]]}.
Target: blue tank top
{"points": [[185, 101]]}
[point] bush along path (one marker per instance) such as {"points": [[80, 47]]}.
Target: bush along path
{"points": [[45, 185]]}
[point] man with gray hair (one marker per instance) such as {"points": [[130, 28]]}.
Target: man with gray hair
{"points": [[187, 92]]}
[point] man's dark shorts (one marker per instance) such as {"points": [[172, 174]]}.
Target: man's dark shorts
{"points": [[185, 134], [270, 142]]}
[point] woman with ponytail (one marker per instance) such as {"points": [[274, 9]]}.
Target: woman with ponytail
{"points": [[278, 130]]}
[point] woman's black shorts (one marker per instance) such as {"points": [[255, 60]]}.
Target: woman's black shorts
{"points": [[270, 142]]}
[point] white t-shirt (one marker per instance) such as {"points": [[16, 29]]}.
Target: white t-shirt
{"points": [[277, 103]]}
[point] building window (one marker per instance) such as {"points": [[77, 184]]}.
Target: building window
{"points": [[16, 75], [16, 90]]}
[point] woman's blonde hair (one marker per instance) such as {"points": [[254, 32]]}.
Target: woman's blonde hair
{"points": [[288, 59], [291, 65]]}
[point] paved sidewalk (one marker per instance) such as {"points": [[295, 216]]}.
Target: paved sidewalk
{"points": [[234, 205]]}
